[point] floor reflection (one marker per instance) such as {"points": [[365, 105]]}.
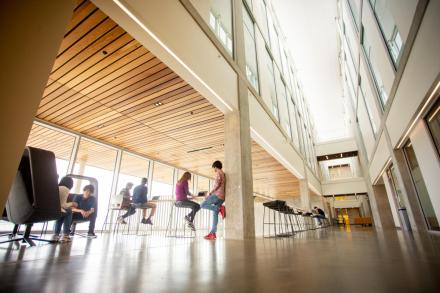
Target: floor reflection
{"points": [[361, 260]]}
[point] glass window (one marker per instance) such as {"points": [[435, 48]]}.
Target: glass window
{"points": [[392, 177], [350, 64], [433, 120], [133, 169], [301, 135], [365, 127], [374, 70], [250, 49], [367, 95], [261, 16], [355, 8], [268, 91], [60, 143], [293, 124], [422, 192], [350, 34], [249, 4], [282, 103], [97, 161], [284, 61], [163, 181], [202, 184], [274, 45], [218, 15], [388, 27]]}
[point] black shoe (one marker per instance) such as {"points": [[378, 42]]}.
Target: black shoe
{"points": [[149, 222], [91, 235], [144, 221], [191, 226]]}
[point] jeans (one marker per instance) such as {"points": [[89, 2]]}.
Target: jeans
{"points": [[195, 207], [146, 205], [213, 203], [91, 219], [65, 221]]}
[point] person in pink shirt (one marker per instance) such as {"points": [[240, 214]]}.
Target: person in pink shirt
{"points": [[183, 201], [216, 198]]}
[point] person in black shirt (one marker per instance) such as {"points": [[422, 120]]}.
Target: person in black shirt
{"points": [[319, 214], [86, 208], [140, 201]]}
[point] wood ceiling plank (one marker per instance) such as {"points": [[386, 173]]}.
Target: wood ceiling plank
{"points": [[85, 9]]}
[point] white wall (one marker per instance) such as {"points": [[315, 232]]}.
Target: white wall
{"points": [[355, 185], [429, 164], [381, 157], [420, 73]]}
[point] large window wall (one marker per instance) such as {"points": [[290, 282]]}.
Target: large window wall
{"points": [[111, 166], [362, 74], [269, 67]]}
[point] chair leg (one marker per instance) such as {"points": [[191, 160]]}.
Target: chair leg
{"points": [[27, 238]]}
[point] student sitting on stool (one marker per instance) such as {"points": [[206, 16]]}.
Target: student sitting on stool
{"points": [[126, 200], [140, 201], [182, 200]]}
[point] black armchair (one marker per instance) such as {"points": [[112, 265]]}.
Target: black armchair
{"points": [[34, 195]]}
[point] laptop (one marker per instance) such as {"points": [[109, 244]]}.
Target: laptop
{"points": [[202, 193]]}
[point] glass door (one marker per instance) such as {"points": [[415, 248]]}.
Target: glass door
{"points": [[419, 184]]}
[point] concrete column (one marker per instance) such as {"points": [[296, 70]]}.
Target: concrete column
{"points": [[384, 219], [304, 194], [240, 222], [31, 32]]}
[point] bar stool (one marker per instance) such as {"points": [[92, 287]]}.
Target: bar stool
{"points": [[175, 223], [110, 218], [278, 218], [134, 219]]}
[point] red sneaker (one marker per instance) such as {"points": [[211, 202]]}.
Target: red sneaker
{"points": [[222, 211], [210, 236]]}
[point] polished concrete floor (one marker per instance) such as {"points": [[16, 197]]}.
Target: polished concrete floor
{"points": [[326, 260]]}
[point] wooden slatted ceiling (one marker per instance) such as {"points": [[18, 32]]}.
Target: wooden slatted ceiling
{"points": [[55, 141], [105, 84], [270, 177]]}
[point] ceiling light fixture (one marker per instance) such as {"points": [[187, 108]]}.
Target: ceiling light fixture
{"points": [[135, 19], [157, 104]]}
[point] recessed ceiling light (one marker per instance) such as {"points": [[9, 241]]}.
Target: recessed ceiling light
{"points": [[157, 104]]}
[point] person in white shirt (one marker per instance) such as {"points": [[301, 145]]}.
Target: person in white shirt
{"points": [[64, 187]]}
